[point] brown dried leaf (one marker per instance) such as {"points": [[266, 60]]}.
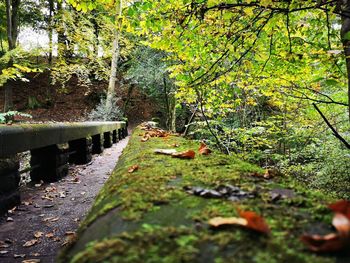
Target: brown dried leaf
{"points": [[342, 207], [49, 235], [38, 234], [30, 243], [248, 220], [328, 243], [36, 260], [203, 149], [184, 155], [145, 138], [255, 221], [133, 168], [341, 224]]}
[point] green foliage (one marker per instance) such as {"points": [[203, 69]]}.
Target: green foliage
{"points": [[9, 117], [21, 63], [102, 113]]}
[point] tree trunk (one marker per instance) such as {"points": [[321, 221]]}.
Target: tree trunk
{"points": [[173, 114], [345, 36], [115, 56], [50, 28], [12, 34], [130, 90], [167, 105]]}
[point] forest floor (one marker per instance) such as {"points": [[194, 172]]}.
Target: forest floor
{"points": [[75, 101], [50, 213]]}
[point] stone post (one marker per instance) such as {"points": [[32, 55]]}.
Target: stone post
{"points": [[49, 163], [9, 181], [97, 144], [115, 136], [108, 140], [80, 151]]}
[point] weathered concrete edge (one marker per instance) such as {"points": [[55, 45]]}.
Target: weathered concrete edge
{"points": [[20, 138]]}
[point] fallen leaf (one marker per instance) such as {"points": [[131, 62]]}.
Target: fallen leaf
{"points": [[36, 260], [248, 220], [203, 149], [49, 235], [342, 207], [4, 245], [165, 151], [38, 234], [51, 219], [255, 221], [133, 168], [184, 155], [19, 255], [70, 233], [341, 224], [145, 138], [30, 243], [220, 221], [3, 252], [328, 243], [9, 219]]}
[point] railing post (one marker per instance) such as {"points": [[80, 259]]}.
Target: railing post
{"points": [[108, 140], [49, 163], [81, 151], [115, 136], [97, 143], [9, 181]]}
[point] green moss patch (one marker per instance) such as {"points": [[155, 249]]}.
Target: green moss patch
{"points": [[147, 216]]}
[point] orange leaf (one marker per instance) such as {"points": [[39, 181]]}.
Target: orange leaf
{"points": [[255, 221], [133, 168], [203, 149], [328, 243], [184, 155], [248, 220], [342, 207], [342, 224], [145, 138]]}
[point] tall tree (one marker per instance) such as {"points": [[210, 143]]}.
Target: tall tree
{"points": [[12, 11], [115, 54]]}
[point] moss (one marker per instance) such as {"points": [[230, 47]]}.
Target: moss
{"points": [[146, 216]]}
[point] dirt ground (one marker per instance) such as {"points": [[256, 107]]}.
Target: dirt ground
{"points": [[50, 213]]}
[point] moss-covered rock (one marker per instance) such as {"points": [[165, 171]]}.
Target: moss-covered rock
{"points": [[147, 216]]}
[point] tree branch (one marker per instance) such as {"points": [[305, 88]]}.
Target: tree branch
{"points": [[335, 133]]}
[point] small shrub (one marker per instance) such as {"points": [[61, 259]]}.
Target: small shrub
{"points": [[101, 113]]}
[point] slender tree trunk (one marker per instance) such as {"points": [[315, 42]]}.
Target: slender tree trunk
{"points": [[2, 45], [173, 114], [50, 28], [167, 106], [96, 33], [345, 35], [115, 56], [130, 90], [12, 34]]}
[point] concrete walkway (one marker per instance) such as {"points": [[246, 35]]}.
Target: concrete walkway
{"points": [[50, 213]]}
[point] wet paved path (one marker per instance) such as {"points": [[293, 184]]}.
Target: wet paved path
{"points": [[50, 213]]}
